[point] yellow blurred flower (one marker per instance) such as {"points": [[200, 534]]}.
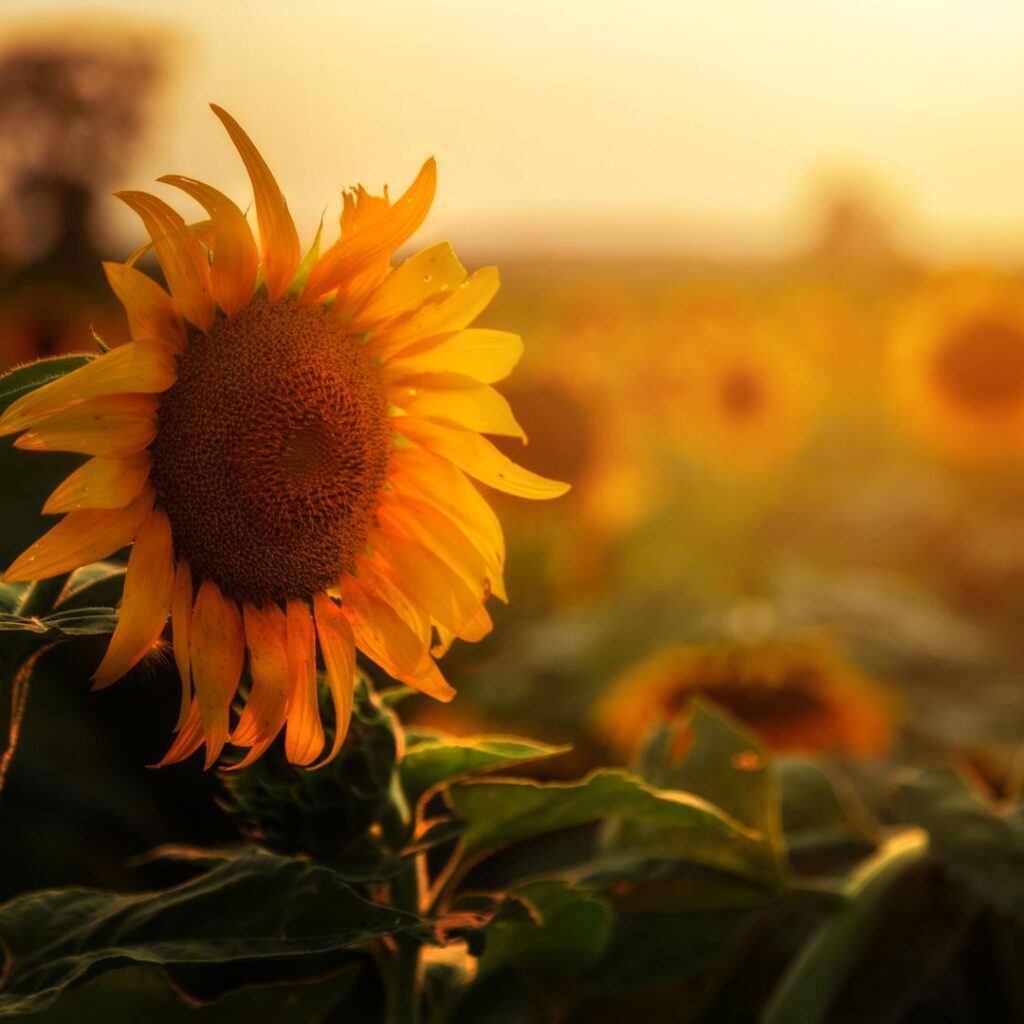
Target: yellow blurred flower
{"points": [[798, 694], [956, 366], [282, 433]]}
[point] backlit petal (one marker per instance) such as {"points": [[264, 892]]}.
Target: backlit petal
{"points": [[216, 652], [235, 261], [304, 733], [379, 632], [80, 538], [138, 368], [188, 740], [148, 585], [485, 355], [181, 256], [114, 427], [181, 622], [101, 483], [338, 647], [264, 713], [152, 314], [456, 400], [279, 241]]}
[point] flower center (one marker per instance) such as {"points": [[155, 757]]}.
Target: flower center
{"points": [[271, 450], [982, 365]]}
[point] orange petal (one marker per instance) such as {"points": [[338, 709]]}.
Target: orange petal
{"points": [[138, 367], [235, 262], [458, 309], [421, 278], [338, 646], [181, 621], [279, 241], [387, 230], [152, 314], [148, 585], [188, 740], [304, 733], [101, 483], [428, 679], [456, 400], [80, 538], [264, 713], [379, 631], [485, 355], [216, 652], [479, 458], [180, 254], [114, 426]]}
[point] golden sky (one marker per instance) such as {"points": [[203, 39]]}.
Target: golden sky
{"points": [[637, 126]]}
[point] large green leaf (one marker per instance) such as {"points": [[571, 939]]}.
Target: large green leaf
{"points": [[62, 625], [23, 379], [257, 905], [503, 811], [565, 930], [981, 846], [93, 586], [431, 760]]}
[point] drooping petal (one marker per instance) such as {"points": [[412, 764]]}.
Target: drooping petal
{"points": [[304, 733], [421, 278], [378, 583], [101, 483], [137, 367], [152, 314], [188, 740], [479, 458], [235, 261], [180, 254], [181, 622], [148, 587], [216, 653], [80, 538], [387, 230], [456, 310], [114, 427], [338, 647], [279, 241], [379, 632], [456, 400], [485, 355], [263, 716]]}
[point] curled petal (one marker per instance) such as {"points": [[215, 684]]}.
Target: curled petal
{"points": [[338, 647], [152, 314]]}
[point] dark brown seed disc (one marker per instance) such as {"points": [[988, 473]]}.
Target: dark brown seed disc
{"points": [[271, 451]]}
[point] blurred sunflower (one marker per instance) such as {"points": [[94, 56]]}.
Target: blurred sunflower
{"points": [[956, 366], [280, 434], [798, 695]]}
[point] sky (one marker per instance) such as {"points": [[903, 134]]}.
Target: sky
{"points": [[629, 128]]}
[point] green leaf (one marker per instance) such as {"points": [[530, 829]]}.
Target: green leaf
{"points": [[565, 930], [981, 846], [11, 595], [63, 625], [252, 907], [142, 994], [23, 379], [430, 760], [504, 811], [96, 585]]}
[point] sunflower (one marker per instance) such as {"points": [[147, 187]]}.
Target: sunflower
{"points": [[957, 366], [798, 694], [289, 444]]}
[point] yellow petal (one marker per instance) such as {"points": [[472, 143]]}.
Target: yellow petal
{"points": [[101, 483], [181, 621], [264, 713], [456, 400], [114, 427], [338, 647], [138, 367], [384, 233], [216, 652], [456, 310], [235, 262], [479, 458], [421, 278], [485, 355], [152, 313], [188, 740], [180, 254], [80, 538], [379, 632], [148, 585], [377, 583], [428, 679], [304, 734], [279, 241]]}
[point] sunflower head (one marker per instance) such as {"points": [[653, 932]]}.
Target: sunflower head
{"points": [[798, 695], [288, 444], [957, 366]]}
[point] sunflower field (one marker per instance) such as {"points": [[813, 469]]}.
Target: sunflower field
{"points": [[578, 625]]}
